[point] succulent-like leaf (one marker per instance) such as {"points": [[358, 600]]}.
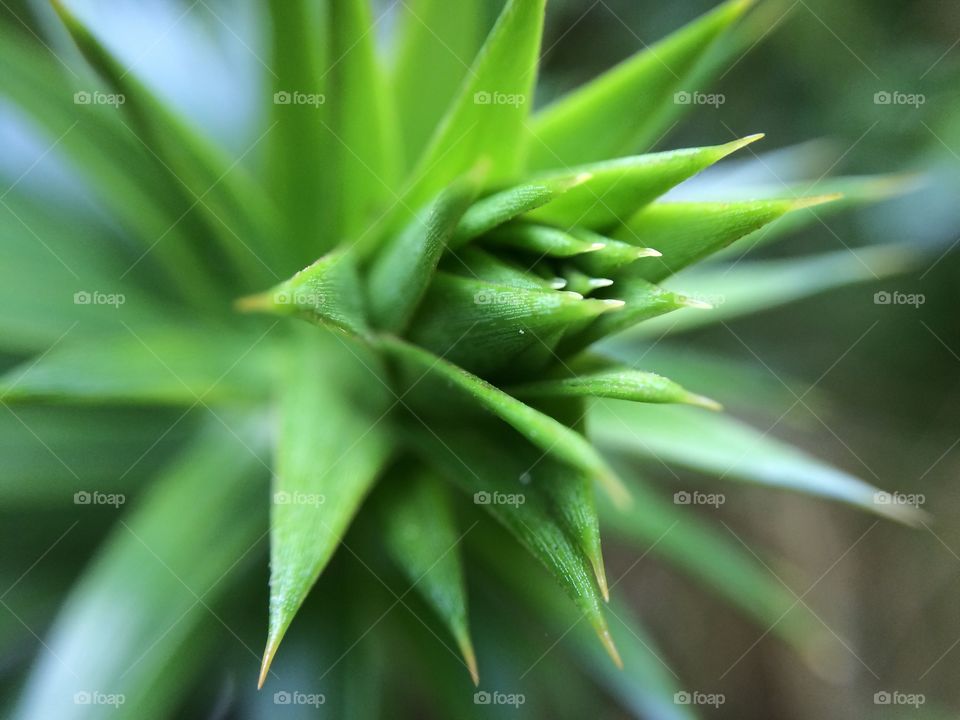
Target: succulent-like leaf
{"points": [[327, 293], [501, 207], [619, 384], [617, 189], [403, 269], [613, 257], [643, 301], [300, 140], [609, 116], [155, 366], [542, 430], [488, 115], [444, 37], [719, 445], [151, 589], [472, 262], [492, 468], [686, 233], [233, 211], [110, 449], [482, 326], [117, 166], [422, 538], [363, 125], [541, 240], [321, 477]]}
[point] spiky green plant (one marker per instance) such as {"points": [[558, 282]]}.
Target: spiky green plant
{"points": [[472, 253]]}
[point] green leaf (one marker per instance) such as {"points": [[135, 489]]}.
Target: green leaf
{"points": [[617, 189], [327, 293], [402, 271], [541, 240], [362, 117], [422, 538], [501, 207], [146, 365], [686, 233], [51, 265], [646, 686], [231, 209], [444, 37], [119, 170], [51, 452], [542, 430], [619, 384], [643, 302], [613, 257], [483, 326], [299, 141], [849, 192], [599, 121], [472, 262], [329, 451], [760, 285], [152, 588], [719, 445], [488, 115], [504, 477]]}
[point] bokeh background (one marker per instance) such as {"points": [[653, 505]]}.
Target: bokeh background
{"points": [[872, 388]]}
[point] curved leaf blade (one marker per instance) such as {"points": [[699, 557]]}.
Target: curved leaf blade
{"points": [[545, 432], [719, 445], [599, 120], [329, 451], [421, 537], [151, 588], [617, 189]]}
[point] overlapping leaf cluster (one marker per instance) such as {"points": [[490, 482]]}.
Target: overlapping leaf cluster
{"points": [[457, 255]]}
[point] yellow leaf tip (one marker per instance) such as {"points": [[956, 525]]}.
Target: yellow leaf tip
{"points": [[267, 661], [733, 146], [469, 658], [253, 303], [601, 574], [610, 647], [691, 302], [703, 402]]}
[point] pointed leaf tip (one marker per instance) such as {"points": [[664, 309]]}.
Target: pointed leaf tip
{"points": [[469, 658]]}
